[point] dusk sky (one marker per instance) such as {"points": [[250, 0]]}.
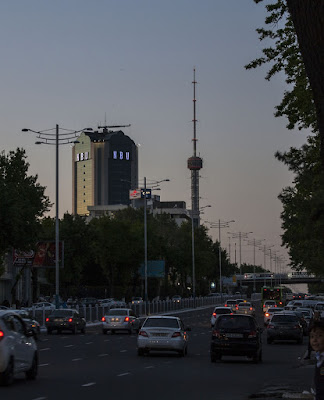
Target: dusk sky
{"points": [[77, 62]]}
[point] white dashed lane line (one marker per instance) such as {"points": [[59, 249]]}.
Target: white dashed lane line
{"points": [[46, 348], [69, 345], [40, 398], [150, 366], [89, 384], [43, 365], [89, 342], [124, 374], [76, 359], [123, 351], [103, 355]]}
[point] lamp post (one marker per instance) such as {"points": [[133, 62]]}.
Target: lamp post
{"points": [[193, 249], [254, 243], [145, 234], [220, 224], [46, 137], [240, 236]]}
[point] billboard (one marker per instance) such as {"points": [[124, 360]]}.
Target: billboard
{"points": [[155, 269], [134, 194], [22, 258], [43, 256]]}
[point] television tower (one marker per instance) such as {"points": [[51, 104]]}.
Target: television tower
{"points": [[195, 165]]}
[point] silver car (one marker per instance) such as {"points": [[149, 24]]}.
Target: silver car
{"points": [[163, 333], [120, 319]]}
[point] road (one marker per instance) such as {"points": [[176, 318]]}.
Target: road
{"points": [[96, 366]]}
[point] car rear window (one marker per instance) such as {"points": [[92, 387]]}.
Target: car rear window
{"points": [[243, 304], [275, 309], [117, 311], [269, 303], [61, 313], [161, 323], [284, 318], [231, 302], [235, 322], [222, 311]]}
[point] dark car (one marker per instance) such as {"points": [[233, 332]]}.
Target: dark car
{"points": [[65, 319], [31, 323], [236, 335], [285, 326]]}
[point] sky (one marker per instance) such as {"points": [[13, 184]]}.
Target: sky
{"points": [[79, 63]]}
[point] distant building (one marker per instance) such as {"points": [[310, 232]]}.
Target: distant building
{"points": [[105, 168]]}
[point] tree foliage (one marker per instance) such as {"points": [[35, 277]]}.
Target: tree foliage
{"points": [[22, 203]]}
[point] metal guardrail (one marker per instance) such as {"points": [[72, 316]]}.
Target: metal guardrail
{"points": [[95, 313]]}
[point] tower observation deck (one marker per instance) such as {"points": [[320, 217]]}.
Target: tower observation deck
{"points": [[195, 164]]}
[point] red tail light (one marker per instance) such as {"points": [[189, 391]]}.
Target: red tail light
{"points": [[176, 334], [225, 305], [276, 305], [267, 314], [143, 333], [251, 308], [252, 334], [280, 302], [1, 335], [126, 319], [214, 314], [47, 319], [103, 319], [70, 319]]}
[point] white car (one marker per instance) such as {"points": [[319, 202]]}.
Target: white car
{"points": [[268, 304], [245, 307], [268, 315], [18, 349], [120, 319], [162, 333], [217, 312]]}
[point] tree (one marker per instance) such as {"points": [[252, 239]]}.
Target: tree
{"points": [[22, 203]]}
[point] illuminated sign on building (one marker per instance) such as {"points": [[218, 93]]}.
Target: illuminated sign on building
{"points": [[82, 156], [120, 155]]}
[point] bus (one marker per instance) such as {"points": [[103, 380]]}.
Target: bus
{"points": [[272, 293]]}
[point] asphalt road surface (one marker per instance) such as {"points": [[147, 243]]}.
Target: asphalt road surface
{"points": [[96, 366]]}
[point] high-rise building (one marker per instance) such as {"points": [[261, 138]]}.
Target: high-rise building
{"points": [[105, 168]]}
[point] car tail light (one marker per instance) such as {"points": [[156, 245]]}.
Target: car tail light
{"points": [[103, 319], [47, 319], [225, 305], [251, 308], [214, 314], [276, 305], [280, 302], [252, 334], [267, 314], [143, 333], [70, 319], [176, 334], [126, 319], [1, 335]]}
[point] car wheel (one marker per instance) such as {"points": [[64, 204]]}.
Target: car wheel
{"points": [[83, 330], [104, 331], [129, 331], [7, 376], [74, 330], [49, 331], [182, 352], [300, 341], [140, 352], [32, 372], [214, 357], [256, 358], [112, 332], [269, 341]]}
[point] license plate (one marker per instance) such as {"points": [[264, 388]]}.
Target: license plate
{"points": [[58, 320], [234, 335]]}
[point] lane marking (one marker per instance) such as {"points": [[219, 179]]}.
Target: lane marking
{"points": [[126, 373], [69, 345], [47, 348], [42, 365], [107, 340], [40, 398], [76, 359], [89, 384], [123, 351], [89, 343], [103, 355], [150, 366]]}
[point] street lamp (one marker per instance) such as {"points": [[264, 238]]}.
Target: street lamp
{"points": [[145, 233], [46, 137], [240, 235], [254, 243], [193, 249], [220, 224]]}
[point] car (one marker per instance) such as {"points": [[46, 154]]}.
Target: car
{"points": [[245, 307], [231, 304], [31, 323], [163, 333], [236, 335], [120, 319], [137, 300], [4, 308], [307, 313], [284, 326], [118, 304], [89, 301], [218, 311], [176, 299], [18, 349], [65, 319], [302, 321], [43, 305], [268, 315], [267, 304]]}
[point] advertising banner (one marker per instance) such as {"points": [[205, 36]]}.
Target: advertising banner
{"points": [[21, 258], [45, 254], [155, 269], [135, 194]]}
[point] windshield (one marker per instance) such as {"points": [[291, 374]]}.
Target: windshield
{"points": [[284, 318], [117, 311], [161, 323], [62, 313], [222, 311], [234, 322], [231, 302], [244, 304]]}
